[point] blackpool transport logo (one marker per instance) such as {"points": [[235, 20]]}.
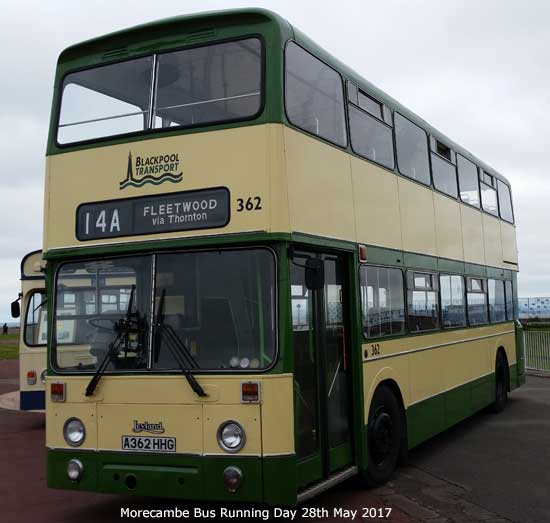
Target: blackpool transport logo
{"points": [[145, 426], [155, 170]]}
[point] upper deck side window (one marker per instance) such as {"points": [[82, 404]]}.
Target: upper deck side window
{"points": [[314, 95], [202, 85], [505, 202], [412, 150], [370, 124], [468, 182], [444, 168], [489, 200]]}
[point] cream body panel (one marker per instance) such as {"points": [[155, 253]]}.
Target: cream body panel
{"points": [[58, 413], [376, 203], [246, 160], [320, 191], [417, 217], [472, 235], [493, 242], [119, 400], [183, 422], [448, 227], [429, 364], [509, 245], [248, 416], [33, 358]]}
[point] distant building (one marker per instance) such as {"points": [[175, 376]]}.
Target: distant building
{"points": [[534, 307]]}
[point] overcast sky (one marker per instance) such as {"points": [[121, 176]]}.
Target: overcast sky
{"points": [[477, 70]]}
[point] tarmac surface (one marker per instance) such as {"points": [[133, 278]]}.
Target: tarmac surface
{"points": [[491, 468]]}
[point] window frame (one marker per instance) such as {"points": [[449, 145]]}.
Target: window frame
{"points": [[465, 325], [503, 281], [397, 166], [434, 141], [151, 130], [345, 145], [478, 207], [386, 111], [490, 185], [404, 288], [30, 294], [278, 314], [499, 183], [509, 317], [485, 291], [434, 278]]}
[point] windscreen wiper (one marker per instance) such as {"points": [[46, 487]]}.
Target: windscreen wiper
{"points": [[181, 354], [123, 327]]}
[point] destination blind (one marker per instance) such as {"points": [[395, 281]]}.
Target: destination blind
{"points": [[182, 211]]}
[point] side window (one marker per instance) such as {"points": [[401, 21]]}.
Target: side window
{"points": [[509, 300], [467, 181], [371, 137], [497, 301], [36, 321], [382, 301], [477, 301], [453, 306], [423, 313], [505, 202], [314, 97], [488, 193], [444, 168], [412, 150]]}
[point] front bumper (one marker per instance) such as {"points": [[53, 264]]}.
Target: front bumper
{"points": [[268, 480]]}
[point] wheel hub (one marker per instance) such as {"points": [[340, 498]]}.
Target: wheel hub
{"points": [[381, 436]]}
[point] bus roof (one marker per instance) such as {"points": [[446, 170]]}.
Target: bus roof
{"points": [[198, 28]]}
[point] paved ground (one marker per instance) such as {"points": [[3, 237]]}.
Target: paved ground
{"points": [[489, 468]]}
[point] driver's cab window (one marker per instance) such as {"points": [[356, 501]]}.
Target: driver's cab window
{"points": [[36, 321]]}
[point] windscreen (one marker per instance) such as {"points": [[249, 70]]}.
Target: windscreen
{"points": [[218, 308], [201, 85]]}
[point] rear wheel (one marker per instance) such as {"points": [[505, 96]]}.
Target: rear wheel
{"points": [[384, 436], [501, 385]]}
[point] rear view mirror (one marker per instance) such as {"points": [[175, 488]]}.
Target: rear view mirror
{"points": [[15, 309], [315, 274]]}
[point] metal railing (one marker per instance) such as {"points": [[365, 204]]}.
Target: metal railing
{"points": [[537, 349]]}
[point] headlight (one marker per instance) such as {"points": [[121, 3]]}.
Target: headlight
{"points": [[231, 436], [75, 469], [74, 432]]}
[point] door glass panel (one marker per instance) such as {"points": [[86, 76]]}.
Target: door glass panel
{"points": [[305, 362], [336, 364]]}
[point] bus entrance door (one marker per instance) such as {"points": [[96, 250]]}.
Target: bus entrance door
{"points": [[322, 374]]}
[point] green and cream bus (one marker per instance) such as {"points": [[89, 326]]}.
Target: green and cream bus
{"points": [[33, 332], [266, 275]]}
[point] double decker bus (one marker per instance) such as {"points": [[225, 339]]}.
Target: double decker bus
{"points": [[32, 333], [266, 275]]}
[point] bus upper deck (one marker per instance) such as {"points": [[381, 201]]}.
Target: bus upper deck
{"points": [[212, 123], [256, 259]]}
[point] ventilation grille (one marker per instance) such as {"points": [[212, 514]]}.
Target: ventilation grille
{"points": [[119, 52], [199, 36]]}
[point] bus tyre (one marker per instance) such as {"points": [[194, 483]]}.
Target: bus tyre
{"points": [[501, 385], [384, 436]]}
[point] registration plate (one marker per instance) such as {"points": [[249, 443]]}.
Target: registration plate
{"points": [[148, 444]]}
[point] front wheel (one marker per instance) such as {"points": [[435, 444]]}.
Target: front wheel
{"points": [[384, 436], [501, 385]]}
